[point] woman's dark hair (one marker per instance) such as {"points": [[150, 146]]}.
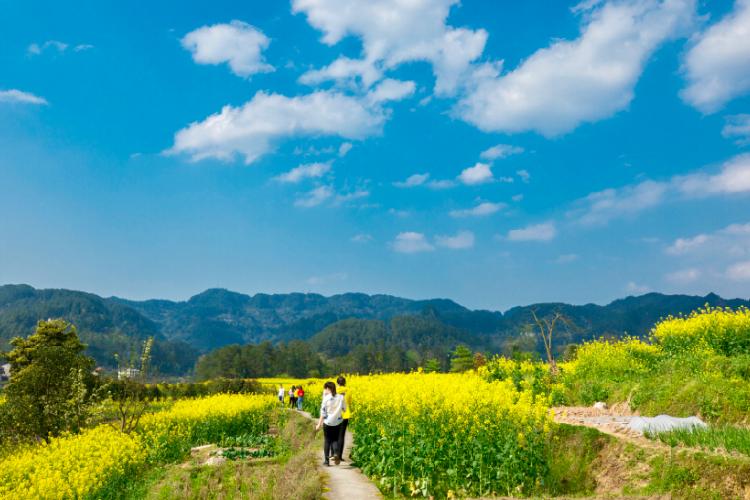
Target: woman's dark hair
{"points": [[331, 387], [341, 381]]}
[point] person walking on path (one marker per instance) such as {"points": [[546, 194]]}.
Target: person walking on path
{"points": [[292, 396], [346, 414], [281, 395], [330, 419], [300, 396]]}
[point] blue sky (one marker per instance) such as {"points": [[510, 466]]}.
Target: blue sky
{"points": [[494, 152]]}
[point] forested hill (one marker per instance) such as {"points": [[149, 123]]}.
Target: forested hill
{"points": [[220, 317]]}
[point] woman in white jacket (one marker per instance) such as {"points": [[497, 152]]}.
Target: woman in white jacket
{"points": [[331, 410]]}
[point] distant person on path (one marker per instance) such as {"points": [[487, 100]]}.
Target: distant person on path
{"points": [[300, 396], [281, 395], [292, 396], [346, 414], [330, 419]]}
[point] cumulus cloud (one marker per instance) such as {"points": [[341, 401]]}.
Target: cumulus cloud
{"points": [[732, 241], [306, 171], [732, 178], [238, 44], [636, 288], [19, 96], [361, 238], [413, 181], [481, 210], [685, 245], [314, 197], [535, 232], [391, 90], [480, 173], [602, 206], [460, 241], [393, 32], [576, 81], [717, 66], [683, 276], [524, 175], [36, 49], [411, 242], [345, 148], [500, 151], [253, 129], [737, 127], [739, 271], [439, 184]]}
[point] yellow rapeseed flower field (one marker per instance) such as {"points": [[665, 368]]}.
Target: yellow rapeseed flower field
{"points": [[446, 434], [102, 459]]}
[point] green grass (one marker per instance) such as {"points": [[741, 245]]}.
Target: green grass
{"points": [[290, 473], [727, 437]]}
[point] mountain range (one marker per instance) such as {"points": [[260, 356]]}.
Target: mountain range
{"points": [[218, 317]]}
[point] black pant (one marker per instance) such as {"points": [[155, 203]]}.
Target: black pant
{"points": [[342, 436], [331, 440]]}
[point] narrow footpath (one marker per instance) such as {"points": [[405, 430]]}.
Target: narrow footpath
{"points": [[345, 482]]}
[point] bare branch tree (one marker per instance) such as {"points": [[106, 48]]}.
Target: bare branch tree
{"points": [[547, 326]]}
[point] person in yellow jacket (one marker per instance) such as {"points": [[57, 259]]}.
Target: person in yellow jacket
{"points": [[346, 414]]}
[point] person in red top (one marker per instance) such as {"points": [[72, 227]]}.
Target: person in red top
{"points": [[300, 396]]}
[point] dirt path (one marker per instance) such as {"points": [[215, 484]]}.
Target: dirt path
{"points": [[346, 482], [613, 422]]}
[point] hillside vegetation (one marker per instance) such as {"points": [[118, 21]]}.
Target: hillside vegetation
{"points": [[350, 331]]}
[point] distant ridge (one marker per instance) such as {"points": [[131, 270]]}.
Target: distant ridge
{"points": [[218, 317]]}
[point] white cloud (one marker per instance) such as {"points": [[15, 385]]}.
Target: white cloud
{"points": [[732, 178], [361, 238], [524, 175], [390, 90], [480, 173], [306, 171], [413, 181], [517, 197], [82, 47], [602, 206], [19, 96], [635, 288], [567, 258], [325, 279], [441, 184], [351, 196], [536, 232], [345, 148], [251, 130], [314, 197], [500, 151], [36, 49], [732, 241], [717, 66], [573, 82], [460, 241], [411, 242], [737, 126], [686, 245], [739, 271], [237, 43], [393, 32], [683, 276], [482, 209]]}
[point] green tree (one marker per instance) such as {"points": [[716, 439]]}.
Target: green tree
{"points": [[51, 382], [462, 359], [432, 365]]}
